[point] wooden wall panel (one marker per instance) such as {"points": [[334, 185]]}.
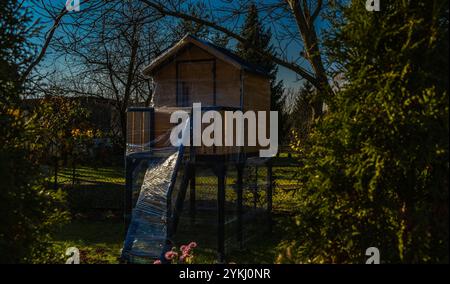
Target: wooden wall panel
{"points": [[165, 87], [257, 98], [227, 85], [139, 130], [196, 78], [227, 79], [256, 92]]}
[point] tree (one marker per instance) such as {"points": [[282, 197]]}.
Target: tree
{"points": [[185, 26], [65, 120], [109, 58], [376, 167], [301, 117], [56, 14], [257, 37], [296, 20], [28, 211]]}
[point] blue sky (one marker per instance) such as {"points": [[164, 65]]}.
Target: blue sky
{"points": [[291, 52]]}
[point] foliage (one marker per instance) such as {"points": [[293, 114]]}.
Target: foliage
{"points": [[301, 117], [184, 27], [51, 253], [376, 166], [28, 211], [183, 255], [259, 37], [65, 124]]}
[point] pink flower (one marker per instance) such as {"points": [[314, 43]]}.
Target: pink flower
{"points": [[185, 256], [185, 249], [192, 245], [170, 255], [157, 262]]}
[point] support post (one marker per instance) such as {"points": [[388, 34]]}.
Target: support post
{"points": [[180, 199], [240, 169], [128, 200], [192, 207], [221, 213], [269, 194]]}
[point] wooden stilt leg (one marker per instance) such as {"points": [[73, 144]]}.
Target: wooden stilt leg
{"points": [[239, 231], [192, 206], [221, 214], [269, 195]]}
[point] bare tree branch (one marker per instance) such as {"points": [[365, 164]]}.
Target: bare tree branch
{"points": [[292, 66], [316, 12], [311, 44], [47, 41]]}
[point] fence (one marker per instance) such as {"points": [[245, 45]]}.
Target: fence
{"points": [[245, 208]]}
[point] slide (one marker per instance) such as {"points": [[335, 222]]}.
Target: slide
{"points": [[151, 220]]}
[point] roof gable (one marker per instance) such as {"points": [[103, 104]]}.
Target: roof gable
{"points": [[219, 52]]}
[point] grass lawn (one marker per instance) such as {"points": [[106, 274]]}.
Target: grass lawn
{"points": [[90, 175], [100, 239], [100, 242]]}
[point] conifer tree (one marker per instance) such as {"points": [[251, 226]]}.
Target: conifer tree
{"points": [[28, 212], [375, 169], [258, 36]]}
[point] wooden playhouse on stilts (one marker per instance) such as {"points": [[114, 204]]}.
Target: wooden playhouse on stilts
{"points": [[169, 188]]}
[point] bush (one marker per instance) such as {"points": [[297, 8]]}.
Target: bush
{"points": [[376, 166], [28, 211]]}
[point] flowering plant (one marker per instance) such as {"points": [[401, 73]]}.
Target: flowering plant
{"points": [[184, 255]]}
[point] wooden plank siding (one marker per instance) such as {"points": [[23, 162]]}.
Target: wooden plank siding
{"points": [[256, 98], [230, 87]]}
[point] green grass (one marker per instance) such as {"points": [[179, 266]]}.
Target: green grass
{"points": [[256, 252], [91, 175], [100, 241], [259, 249]]}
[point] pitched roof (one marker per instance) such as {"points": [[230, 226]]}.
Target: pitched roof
{"points": [[219, 52]]}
